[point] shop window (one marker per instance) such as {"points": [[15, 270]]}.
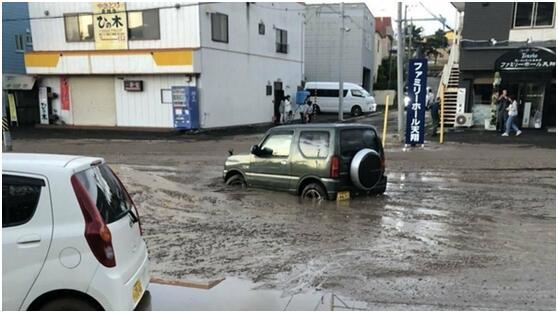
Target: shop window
{"points": [[482, 93], [220, 27], [78, 27], [19, 44], [534, 14], [144, 25], [281, 43]]}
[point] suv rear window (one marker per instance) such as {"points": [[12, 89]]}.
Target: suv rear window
{"points": [[106, 192], [20, 197], [353, 140], [314, 144]]}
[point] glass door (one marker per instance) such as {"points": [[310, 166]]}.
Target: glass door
{"points": [[533, 100]]}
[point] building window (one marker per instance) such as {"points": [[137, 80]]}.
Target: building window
{"points": [[534, 14], [544, 14], [281, 41], [144, 25], [482, 93], [261, 28], [220, 27], [28, 40], [79, 27], [19, 44]]}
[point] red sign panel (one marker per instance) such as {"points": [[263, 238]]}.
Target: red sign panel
{"points": [[64, 93]]}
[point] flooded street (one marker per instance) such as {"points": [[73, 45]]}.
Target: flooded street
{"points": [[461, 226]]}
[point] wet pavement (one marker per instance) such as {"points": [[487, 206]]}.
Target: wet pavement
{"points": [[461, 226], [235, 294]]}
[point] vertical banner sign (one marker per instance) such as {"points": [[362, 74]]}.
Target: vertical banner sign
{"points": [[43, 105], [416, 109], [64, 93], [13, 109], [110, 25], [185, 107]]}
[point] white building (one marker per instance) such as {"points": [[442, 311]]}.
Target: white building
{"points": [[323, 24], [384, 41], [237, 55]]}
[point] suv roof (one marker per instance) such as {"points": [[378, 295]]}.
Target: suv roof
{"points": [[324, 125], [39, 162]]}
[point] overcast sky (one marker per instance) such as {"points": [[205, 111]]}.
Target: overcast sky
{"points": [[415, 10]]}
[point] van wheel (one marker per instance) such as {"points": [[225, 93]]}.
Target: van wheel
{"points": [[356, 111], [313, 192], [69, 304], [236, 180]]}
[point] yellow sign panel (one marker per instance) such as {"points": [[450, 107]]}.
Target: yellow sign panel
{"points": [[13, 110], [110, 25]]}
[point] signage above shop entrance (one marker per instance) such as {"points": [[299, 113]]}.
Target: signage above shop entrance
{"points": [[527, 59]]}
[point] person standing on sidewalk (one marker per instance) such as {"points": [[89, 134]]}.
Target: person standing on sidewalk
{"points": [[435, 114], [503, 103], [510, 122]]}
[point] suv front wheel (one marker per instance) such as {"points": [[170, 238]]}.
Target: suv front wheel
{"points": [[236, 181], [313, 192]]}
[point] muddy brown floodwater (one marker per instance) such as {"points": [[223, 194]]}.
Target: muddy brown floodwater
{"points": [[461, 226]]}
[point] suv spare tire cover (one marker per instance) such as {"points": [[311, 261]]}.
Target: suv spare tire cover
{"points": [[366, 169]]}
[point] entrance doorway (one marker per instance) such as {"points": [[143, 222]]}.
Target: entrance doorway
{"points": [[278, 94], [530, 98]]}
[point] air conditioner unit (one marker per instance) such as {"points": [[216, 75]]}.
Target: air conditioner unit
{"points": [[464, 120]]}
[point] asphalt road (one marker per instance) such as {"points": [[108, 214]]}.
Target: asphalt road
{"points": [[465, 225]]}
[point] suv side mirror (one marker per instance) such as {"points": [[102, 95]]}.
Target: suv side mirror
{"points": [[255, 150]]}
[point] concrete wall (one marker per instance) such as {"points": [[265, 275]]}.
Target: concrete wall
{"points": [[322, 43], [12, 60]]}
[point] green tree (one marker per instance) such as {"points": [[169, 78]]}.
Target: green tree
{"points": [[387, 75]]}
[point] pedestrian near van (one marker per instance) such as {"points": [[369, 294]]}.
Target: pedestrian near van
{"points": [[512, 112], [502, 113], [286, 110]]}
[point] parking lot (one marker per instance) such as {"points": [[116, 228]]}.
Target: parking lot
{"points": [[461, 226]]}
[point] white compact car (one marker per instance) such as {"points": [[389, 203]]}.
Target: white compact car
{"points": [[71, 236], [325, 95]]}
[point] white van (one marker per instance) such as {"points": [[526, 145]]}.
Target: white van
{"points": [[326, 97]]}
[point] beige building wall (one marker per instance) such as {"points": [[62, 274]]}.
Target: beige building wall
{"points": [[93, 100]]}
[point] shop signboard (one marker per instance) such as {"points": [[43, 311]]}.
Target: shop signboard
{"points": [[527, 59], [64, 93], [185, 107], [43, 105], [416, 109], [110, 25]]}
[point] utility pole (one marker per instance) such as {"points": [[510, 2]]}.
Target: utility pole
{"points": [[341, 38], [400, 42]]}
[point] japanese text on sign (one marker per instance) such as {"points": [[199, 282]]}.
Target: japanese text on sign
{"points": [[417, 94], [110, 25]]}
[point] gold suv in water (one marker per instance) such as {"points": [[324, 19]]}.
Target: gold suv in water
{"points": [[315, 161]]}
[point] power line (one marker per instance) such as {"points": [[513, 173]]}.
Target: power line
{"points": [[175, 6]]}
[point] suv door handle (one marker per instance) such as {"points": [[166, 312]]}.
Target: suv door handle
{"points": [[29, 239]]}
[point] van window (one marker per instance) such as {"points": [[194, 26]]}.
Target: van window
{"points": [[357, 93], [20, 197], [106, 192], [353, 140], [328, 93], [314, 144]]}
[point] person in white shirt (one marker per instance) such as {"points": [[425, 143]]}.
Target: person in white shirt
{"points": [[510, 122], [286, 110]]}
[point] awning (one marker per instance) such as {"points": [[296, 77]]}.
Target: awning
{"points": [[17, 82]]}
